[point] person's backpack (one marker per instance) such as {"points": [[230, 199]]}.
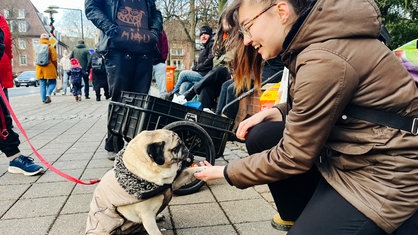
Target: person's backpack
{"points": [[97, 63], [42, 54]]}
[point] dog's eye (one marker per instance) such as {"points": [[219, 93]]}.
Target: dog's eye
{"points": [[176, 149]]}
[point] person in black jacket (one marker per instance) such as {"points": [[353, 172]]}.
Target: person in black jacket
{"points": [[188, 78], [129, 32]]}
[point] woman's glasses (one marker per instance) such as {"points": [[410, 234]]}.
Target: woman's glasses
{"points": [[245, 29]]}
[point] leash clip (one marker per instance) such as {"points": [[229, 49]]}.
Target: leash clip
{"points": [[414, 128], [4, 133]]}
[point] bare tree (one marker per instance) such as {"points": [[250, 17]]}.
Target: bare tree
{"points": [[70, 24], [188, 15]]}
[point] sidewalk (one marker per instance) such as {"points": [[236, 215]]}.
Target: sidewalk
{"points": [[71, 137]]}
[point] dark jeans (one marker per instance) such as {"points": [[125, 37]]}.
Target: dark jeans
{"points": [[126, 72], [227, 95], [210, 86], [311, 201], [86, 85], [9, 146]]}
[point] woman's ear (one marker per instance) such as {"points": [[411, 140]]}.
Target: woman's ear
{"points": [[283, 10]]}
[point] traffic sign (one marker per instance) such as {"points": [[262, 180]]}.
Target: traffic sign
{"points": [[53, 40]]}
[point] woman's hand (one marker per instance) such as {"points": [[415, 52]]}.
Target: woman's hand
{"points": [[210, 172], [257, 118]]}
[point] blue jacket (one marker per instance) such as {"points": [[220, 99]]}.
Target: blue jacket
{"points": [[102, 13]]}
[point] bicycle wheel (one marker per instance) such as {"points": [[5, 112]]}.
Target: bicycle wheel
{"points": [[199, 144]]}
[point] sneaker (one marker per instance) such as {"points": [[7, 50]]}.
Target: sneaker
{"points": [[24, 165], [280, 224], [79, 97], [87, 97], [97, 98], [111, 156], [48, 99]]}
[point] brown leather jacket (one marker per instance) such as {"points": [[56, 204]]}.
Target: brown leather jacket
{"points": [[335, 60]]}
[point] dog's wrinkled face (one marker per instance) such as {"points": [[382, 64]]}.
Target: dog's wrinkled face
{"points": [[156, 155]]}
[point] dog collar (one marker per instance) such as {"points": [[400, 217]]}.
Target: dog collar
{"points": [[134, 185]]}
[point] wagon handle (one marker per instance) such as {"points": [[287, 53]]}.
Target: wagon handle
{"points": [[249, 92]]}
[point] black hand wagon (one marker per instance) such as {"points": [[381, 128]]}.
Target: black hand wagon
{"points": [[205, 134]]}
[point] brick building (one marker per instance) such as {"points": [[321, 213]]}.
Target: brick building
{"points": [[26, 24]]}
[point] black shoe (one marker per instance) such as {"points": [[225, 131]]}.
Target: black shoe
{"points": [[87, 97], [190, 94], [97, 98]]}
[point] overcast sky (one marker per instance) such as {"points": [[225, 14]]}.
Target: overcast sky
{"points": [[42, 5]]}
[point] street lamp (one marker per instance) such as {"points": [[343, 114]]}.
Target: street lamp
{"points": [[51, 18], [72, 9]]}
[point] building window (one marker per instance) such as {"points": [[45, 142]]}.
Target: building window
{"points": [[22, 27], [6, 13], [22, 43], [178, 63], [21, 14], [23, 60], [35, 42], [177, 51], [11, 26]]}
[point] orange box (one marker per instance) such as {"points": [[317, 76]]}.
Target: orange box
{"points": [[169, 84], [268, 98]]}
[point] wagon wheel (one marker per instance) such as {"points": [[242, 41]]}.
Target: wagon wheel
{"points": [[199, 144]]}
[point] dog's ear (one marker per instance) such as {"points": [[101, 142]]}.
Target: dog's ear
{"points": [[156, 152]]}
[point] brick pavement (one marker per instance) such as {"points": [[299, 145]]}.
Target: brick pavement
{"points": [[71, 136]]}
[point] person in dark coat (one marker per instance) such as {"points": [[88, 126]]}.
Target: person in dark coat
{"points": [[98, 72], [128, 45], [187, 78], [82, 54]]}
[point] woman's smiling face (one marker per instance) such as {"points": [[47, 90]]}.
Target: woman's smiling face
{"points": [[264, 27]]}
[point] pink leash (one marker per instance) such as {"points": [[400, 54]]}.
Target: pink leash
{"points": [[47, 164]]}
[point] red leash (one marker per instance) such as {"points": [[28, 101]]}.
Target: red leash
{"points": [[47, 164]]}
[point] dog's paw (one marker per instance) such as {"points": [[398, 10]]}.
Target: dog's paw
{"points": [[186, 177]]}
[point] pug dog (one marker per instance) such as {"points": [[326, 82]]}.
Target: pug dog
{"points": [[140, 185]]}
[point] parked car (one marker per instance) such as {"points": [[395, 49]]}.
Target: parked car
{"points": [[26, 78]]}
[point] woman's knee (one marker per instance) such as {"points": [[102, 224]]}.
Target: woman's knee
{"points": [[263, 136]]}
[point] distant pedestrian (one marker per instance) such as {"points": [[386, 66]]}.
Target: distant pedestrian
{"points": [[98, 72], [66, 66], [9, 140], [129, 32], [47, 73], [82, 54], [159, 68], [204, 64], [76, 74]]}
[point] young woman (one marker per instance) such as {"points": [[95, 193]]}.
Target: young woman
{"points": [[368, 173]]}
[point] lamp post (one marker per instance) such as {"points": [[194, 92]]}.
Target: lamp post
{"points": [[51, 18], [53, 7]]}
